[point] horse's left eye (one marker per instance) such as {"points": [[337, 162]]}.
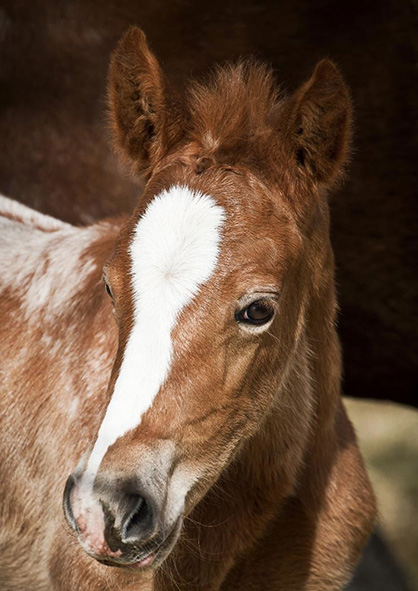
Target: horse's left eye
{"points": [[257, 313]]}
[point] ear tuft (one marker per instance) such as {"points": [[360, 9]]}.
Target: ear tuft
{"points": [[320, 117], [139, 102]]}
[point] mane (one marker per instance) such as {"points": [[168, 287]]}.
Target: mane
{"points": [[236, 102]]}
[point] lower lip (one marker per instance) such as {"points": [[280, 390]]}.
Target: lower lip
{"points": [[147, 561]]}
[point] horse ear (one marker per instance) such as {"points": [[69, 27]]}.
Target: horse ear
{"points": [[144, 116], [319, 123]]}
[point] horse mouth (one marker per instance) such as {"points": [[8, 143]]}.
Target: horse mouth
{"points": [[150, 557]]}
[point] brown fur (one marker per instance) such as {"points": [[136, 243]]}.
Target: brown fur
{"points": [[284, 501]]}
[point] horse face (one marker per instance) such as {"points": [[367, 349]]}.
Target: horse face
{"points": [[198, 288]]}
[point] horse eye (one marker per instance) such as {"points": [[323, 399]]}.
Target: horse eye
{"points": [[108, 290], [257, 313]]}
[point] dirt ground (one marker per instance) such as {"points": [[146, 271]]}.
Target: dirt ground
{"points": [[388, 436]]}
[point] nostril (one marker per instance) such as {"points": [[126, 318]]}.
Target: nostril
{"points": [[138, 521], [68, 511]]}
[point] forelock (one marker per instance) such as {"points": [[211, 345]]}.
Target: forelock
{"points": [[236, 102]]}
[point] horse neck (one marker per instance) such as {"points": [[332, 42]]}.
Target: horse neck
{"points": [[53, 281]]}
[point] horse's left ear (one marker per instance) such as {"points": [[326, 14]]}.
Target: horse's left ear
{"points": [[318, 122], [144, 115]]}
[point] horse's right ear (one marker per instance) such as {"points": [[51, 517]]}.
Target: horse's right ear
{"points": [[144, 117]]}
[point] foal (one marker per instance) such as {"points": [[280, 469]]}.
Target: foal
{"points": [[219, 457]]}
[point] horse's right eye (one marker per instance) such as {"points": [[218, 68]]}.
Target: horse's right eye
{"points": [[108, 290]]}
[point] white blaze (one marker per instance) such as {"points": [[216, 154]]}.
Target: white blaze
{"points": [[174, 251]]}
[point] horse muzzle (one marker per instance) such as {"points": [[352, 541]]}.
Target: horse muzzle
{"points": [[121, 522]]}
